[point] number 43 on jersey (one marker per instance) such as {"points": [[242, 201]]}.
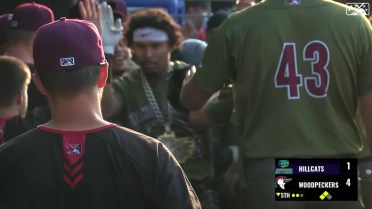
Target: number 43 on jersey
{"points": [[287, 73]]}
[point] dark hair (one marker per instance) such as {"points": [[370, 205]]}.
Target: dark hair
{"points": [[217, 19], [14, 77], [70, 83], [156, 18]]}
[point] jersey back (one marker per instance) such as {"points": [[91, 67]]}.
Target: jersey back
{"points": [[298, 71]]}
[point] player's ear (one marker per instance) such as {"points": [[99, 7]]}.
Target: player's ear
{"points": [[22, 96], [19, 98], [103, 75], [39, 85]]}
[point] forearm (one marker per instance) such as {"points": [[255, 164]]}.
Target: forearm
{"points": [[366, 109], [199, 119], [110, 104], [193, 97]]}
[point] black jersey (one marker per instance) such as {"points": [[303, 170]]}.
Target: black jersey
{"points": [[104, 168], [14, 126], [11, 127], [3, 122]]}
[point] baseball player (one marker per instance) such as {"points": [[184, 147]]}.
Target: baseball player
{"points": [[77, 159], [14, 80], [299, 70], [141, 97]]}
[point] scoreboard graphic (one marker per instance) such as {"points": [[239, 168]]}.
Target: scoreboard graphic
{"points": [[315, 179], [358, 9]]}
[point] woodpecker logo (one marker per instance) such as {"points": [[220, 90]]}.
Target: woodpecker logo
{"points": [[281, 181], [73, 149], [293, 2], [358, 9]]}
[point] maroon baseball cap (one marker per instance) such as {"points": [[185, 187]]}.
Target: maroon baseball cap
{"points": [[31, 16], [119, 8], [67, 44]]}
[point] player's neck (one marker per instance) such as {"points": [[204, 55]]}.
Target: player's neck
{"points": [[7, 112], [154, 78], [21, 51], [81, 113]]}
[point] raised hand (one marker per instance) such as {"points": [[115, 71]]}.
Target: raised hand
{"points": [[91, 12], [112, 31]]}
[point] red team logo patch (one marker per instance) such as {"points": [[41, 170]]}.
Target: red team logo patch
{"points": [[73, 147]]}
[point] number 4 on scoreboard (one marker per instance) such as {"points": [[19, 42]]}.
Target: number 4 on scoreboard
{"points": [[348, 182]]}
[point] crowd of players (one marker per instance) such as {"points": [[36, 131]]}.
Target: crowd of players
{"points": [[103, 109]]}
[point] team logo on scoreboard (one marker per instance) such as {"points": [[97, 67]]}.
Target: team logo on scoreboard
{"points": [[281, 181], [283, 164], [292, 2], [358, 9]]}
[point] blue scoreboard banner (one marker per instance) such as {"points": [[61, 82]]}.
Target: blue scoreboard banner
{"points": [[316, 179]]}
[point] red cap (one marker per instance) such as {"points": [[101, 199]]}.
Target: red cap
{"points": [[67, 44], [119, 8], [31, 16]]}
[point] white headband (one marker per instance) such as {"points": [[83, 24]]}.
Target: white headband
{"points": [[149, 34]]}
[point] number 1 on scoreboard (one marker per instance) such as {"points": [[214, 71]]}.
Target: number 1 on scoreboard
{"points": [[348, 166]]}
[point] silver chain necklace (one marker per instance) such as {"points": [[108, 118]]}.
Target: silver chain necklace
{"points": [[154, 105], [181, 147]]}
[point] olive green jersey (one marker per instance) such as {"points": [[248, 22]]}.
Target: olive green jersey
{"points": [[298, 71], [137, 114]]}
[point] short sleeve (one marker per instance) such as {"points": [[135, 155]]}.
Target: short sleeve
{"points": [[173, 189], [218, 60], [365, 64]]}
